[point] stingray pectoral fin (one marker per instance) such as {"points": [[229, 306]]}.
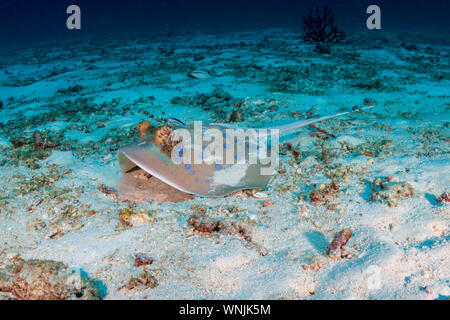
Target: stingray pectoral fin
{"points": [[148, 157], [207, 180], [125, 163]]}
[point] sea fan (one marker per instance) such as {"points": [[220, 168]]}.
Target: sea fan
{"points": [[320, 27]]}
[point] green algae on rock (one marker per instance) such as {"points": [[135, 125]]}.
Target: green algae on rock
{"points": [[45, 280]]}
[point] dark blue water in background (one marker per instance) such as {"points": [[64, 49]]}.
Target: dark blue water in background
{"points": [[24, 21]]}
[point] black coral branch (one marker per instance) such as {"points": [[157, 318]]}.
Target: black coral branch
{"points": [[320, 27]]}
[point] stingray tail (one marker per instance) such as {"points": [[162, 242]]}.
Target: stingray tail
{"points": [[303, 123]]}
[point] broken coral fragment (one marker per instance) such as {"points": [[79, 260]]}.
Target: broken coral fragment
{"points": [[203, 224], [384, 190], [145, 280], [130, 218], [325, 193], [444, 197]]}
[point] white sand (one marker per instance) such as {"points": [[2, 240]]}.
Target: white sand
{"points": [[399, 252]]}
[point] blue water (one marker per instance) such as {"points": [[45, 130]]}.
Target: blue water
{"points": [[24, 21]]}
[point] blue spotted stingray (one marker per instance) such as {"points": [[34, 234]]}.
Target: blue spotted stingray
{"points": [[208, 178]]}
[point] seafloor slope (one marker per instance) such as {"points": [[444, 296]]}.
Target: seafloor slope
{"points": [[67, 108]]}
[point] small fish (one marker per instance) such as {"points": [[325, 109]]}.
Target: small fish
{"points": [[176, 121], [199, 74]]}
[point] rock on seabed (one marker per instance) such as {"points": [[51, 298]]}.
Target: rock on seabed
{"points": [[44, 280]]}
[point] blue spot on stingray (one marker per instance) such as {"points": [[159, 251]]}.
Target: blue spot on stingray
{"points": [[218, 166], [187, 166], [196, 180], [208, 181], [191, 172]]}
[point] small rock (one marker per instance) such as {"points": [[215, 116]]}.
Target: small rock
{"points": [[325, 193], [198, 57], [45, 280], [315, 265], [18, 143], [6, 297], [296, 154], [428, 290], [104, 189], [140, 259], [339, 241], [444, 197], [384, 190], [323, 48], [219, 93], [369, 102], [145, 280], [235, 229], [72, 89], [267, 203], [235, 116], [260, 195], [348, 141], [203, 224], [410, 47], [108, 191]]}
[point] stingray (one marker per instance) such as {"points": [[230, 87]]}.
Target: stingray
{"points": [[161, 155]]}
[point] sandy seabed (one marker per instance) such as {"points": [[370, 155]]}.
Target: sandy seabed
{"points": [[382, 173]]}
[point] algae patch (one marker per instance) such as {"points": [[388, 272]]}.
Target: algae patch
{"points": [[45, 280]]}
